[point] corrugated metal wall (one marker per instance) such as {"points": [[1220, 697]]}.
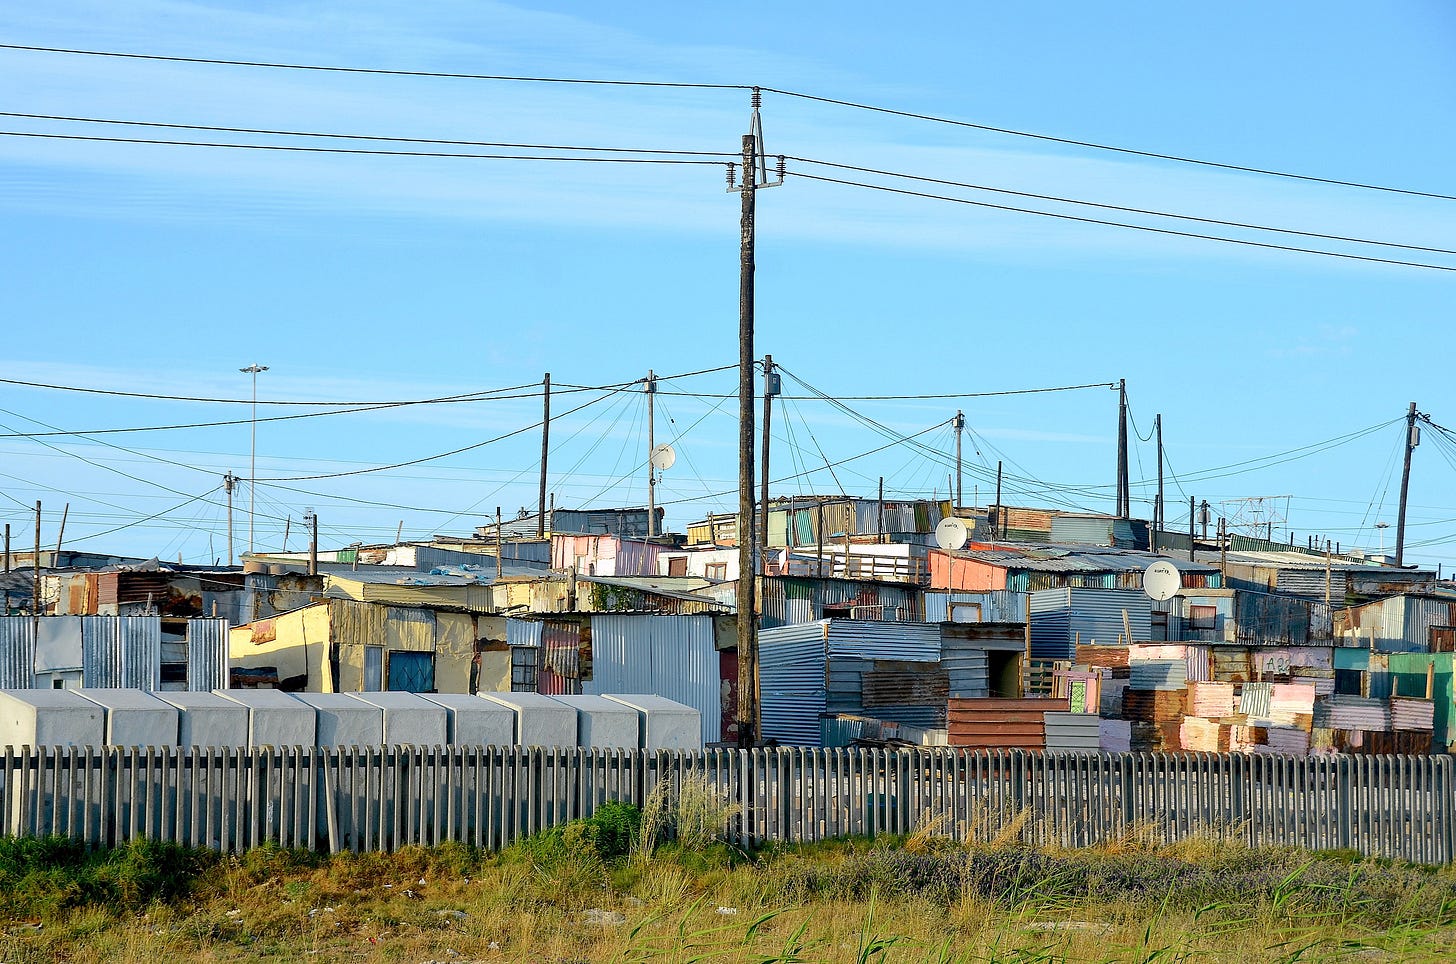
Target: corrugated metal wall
{"points": [[967, 669], [1062, 618], [17, 652], [671, 656], [794, 601], [207, 654], [356, 623], [1074, 732], [998, 606], [121, 651], [523, 632], [1094, 531], [791, 682], [872, 639]]}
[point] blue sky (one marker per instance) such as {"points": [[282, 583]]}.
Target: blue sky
{"points": [[164, 269]]}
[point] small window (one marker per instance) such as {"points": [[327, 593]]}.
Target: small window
{"points": [[523, 669], [716, 570]]}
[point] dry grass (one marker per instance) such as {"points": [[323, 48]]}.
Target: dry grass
{"points": [[850, 902]]}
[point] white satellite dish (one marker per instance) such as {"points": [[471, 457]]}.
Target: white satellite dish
{"points": [[1162, 580], [952, 534], [662, 457]]}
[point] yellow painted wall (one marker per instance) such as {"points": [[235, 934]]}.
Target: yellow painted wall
{"points": [[297, 643]]}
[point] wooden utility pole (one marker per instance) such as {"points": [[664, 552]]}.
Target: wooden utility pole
{"points": [[880, 522], [651, 390], [960, 424], [545, 444], [1158, 506], [749, 723], [1412, 439], [1123, 493], [229, 482], [1000, 521], [287, 531], [1192, 511], [61, 534], [313, 543], [755, 176], [7, 547], [498, 565], [770, 389], [35, 567]]}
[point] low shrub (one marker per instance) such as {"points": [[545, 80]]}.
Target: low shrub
{"points": [[40, 877]]}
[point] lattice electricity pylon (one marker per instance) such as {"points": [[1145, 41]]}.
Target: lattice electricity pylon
{"points": [[1257, 515]]}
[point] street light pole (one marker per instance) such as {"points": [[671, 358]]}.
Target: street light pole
{"points": [[253, 370]]}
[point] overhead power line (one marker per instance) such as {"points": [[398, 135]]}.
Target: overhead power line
{"points": [[1119, 207], [359, 151], [392, 139], [464, 397], [374, 70], [1123, 224], [799, 95], [1093, 145]]}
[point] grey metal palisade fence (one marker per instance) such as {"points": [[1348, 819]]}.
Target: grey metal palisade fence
{"points": [[383, 798]]}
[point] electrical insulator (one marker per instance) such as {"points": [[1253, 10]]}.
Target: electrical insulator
{"points": [[732, 176], [757, 99], [781, 167]]}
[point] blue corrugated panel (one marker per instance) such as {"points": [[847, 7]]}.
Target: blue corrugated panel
{"points": [[873, 639], [791, 682], [523, 632]]}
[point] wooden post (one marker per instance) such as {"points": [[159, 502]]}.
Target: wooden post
{"points": [[61, 534], [1411, 440], [545, 447], [749, 724]]}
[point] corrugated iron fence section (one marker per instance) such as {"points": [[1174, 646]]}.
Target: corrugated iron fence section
{"points": [[385, 798]]}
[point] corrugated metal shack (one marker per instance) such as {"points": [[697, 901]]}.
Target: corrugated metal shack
{"points": [[672, 656], [794, 600], [898, 672], [1408, 623], [604, 555], [1296, 572], [1241, 616], [661, 594], [819, 520], [681, 657], [1063, 618], [1002, 606], [983, 567], [67, 652], [628, 523]]}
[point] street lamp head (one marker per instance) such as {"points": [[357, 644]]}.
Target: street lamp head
{"points": [[254, 369]]}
